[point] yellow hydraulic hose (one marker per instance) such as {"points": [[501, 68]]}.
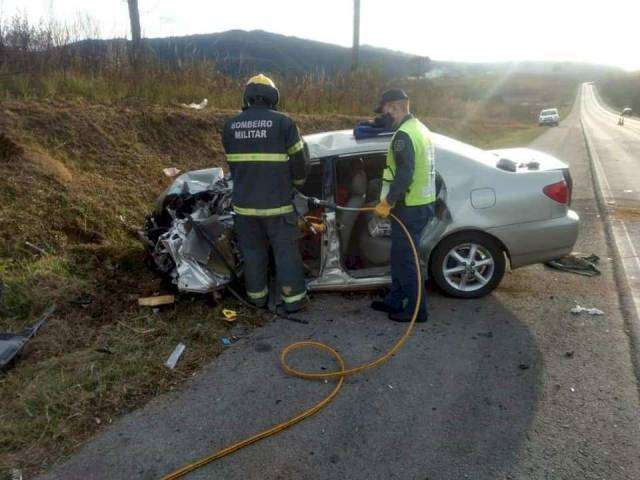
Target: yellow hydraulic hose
{"points": [[337, 374]]}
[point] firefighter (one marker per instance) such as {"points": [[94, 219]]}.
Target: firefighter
{"points": [[409, 191], [267, 159]]}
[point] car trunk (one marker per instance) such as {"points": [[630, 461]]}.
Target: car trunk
{"points": [[522, 160]]}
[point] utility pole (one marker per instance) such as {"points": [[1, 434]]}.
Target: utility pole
{"points": [[134, 16], [356, 33]]}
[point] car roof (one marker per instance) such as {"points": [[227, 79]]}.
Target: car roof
{"points": [[343, 142]]}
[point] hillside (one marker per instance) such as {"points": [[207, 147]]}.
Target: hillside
{"points": [[239, 53]]}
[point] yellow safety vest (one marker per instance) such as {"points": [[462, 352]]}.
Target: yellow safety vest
{"points": [[422, 190]]}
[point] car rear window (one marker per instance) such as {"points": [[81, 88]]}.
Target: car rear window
{"points": [[549, 112]]}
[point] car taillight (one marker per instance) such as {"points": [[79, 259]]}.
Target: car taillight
{"points": [[558, 192]]}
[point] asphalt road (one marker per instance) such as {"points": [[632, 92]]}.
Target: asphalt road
{"points": [[615, 151], [512, 386]]}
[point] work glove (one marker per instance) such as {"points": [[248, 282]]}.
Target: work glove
{"points": [[383, 209]]}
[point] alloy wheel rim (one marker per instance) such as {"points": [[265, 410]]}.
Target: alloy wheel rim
{"points": [[468, 267]]}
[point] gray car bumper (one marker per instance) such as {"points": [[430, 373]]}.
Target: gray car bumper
{"points": [[536, 242]]}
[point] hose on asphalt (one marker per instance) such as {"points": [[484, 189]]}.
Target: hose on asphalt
{"points": [[338, 375]]}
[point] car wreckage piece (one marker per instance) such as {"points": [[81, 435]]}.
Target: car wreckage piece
{"points": [[190, 234], [12, 343]]}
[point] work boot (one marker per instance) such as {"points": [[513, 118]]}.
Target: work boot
{"points": [[404, 317], [297, 306], [380, 306], [260, 302]]}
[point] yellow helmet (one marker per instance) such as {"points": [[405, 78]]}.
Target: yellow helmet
{"points": [[260, 87]]}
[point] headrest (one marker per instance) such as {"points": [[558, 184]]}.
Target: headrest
{"points": [[359, 183]]}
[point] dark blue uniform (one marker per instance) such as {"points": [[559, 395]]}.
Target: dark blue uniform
{"points": [[267, 159], [401, 297]]}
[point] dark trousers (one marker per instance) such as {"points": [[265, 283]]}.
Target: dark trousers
{"points": [[402, 295], [255, 236]]}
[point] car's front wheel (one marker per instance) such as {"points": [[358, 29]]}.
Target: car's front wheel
{"points": [[468, 265]]}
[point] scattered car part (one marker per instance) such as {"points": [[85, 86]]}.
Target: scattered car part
{"points": [[579, 264], [175, 356], [229, 315], [156, 301], [591, 311], [11, 343]]}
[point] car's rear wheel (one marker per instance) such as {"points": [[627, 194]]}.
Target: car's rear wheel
{"points": [[468, 265]]}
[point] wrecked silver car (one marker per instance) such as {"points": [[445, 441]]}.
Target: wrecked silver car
{"points": [[190, 235], [494, 209]]}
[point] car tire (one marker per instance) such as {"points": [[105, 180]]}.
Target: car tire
{"points": [[479, 280]]}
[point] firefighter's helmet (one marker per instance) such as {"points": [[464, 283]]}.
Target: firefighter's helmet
{"points": [[260, 87]]}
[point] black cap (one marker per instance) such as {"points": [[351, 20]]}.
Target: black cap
{"points": [[391, 95]]}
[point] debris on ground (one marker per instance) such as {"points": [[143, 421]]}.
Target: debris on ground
{"points": [[591, 311], [12, 343], [196, 106], [229, 315], [41, 251], [175, 356], [228, 341], [171, 171], [576, 263], [156, 301]]}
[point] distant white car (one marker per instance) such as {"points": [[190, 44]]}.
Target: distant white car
{"points": [[627, 112], [549, 116]]}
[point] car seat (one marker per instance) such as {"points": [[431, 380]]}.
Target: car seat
{"points": [[347, 220]]}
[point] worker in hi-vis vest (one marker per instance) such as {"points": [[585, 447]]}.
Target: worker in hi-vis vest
{"points": [[409, 191], [267, 159]]}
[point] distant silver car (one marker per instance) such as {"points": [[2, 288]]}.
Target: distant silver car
{"points": [[493, 208], [549, 116]]}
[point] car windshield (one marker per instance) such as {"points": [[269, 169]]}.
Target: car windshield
{"points": [[549, 112]]}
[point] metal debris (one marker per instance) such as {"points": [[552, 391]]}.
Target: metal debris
{"points": [[12, 343], [576, 263], [196, 106], [591, 311], [175, 356], [190, 235]]}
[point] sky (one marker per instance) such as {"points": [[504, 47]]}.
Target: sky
{"points": [[603, 32]]}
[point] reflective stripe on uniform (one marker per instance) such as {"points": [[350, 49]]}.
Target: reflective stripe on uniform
{"points": [[257, 157], [299, 183], [296, 148], [258, 295], [263, 212], [294, 298]]}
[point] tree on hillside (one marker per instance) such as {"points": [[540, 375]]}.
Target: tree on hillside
{"points": [[134, 16]]}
